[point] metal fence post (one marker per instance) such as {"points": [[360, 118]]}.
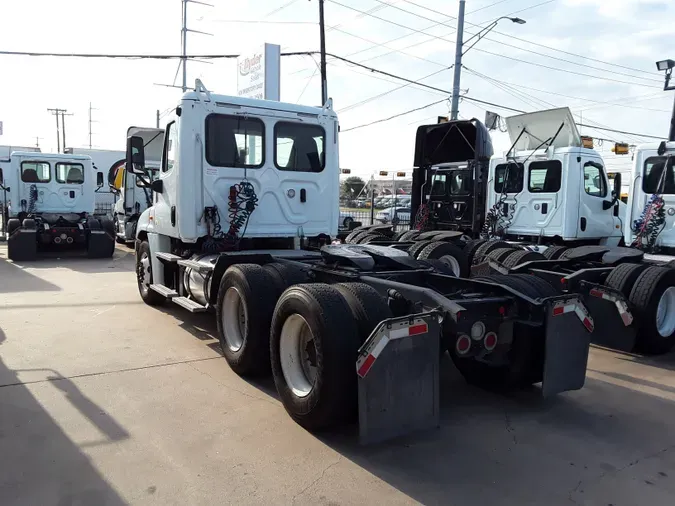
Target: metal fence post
{"points": [[372, 206]]}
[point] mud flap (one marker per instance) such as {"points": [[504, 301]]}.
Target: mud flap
{"points": [[568, 338], [398, 376], [22, 245], [610, 307], [100, 244]]}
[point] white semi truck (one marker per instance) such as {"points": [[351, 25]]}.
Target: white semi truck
{"points": [[134, 192], [245, 208], [51, 205]]}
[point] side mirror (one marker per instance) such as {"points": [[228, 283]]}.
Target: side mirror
{"points": [[662, 148], [135, 155], [99, 179], [617, 185], [157, 186]]}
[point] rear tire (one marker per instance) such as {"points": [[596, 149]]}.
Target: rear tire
{"points": [[410, 235], [368, 307], [522, 257], [554, 252], [372, 237], [313, 346], [653, 297], [453, 256], [500, 254], [244, 311], [417, 248], [285, 275], [471, 247], [354, 235], [624, 276], [485, 248], [144, 275]]}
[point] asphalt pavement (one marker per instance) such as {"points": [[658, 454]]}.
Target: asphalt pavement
{"points": [[107, 401]]}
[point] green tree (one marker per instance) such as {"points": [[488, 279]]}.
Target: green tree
{"points": [[352, 186]]}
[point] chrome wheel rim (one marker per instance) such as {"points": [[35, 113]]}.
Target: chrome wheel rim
{"points": [[665, 313], [451, 262], [234, 319], [144, 273], [298, 355]]}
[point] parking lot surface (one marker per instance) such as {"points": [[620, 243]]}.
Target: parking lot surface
{"points": [[107, 401]]}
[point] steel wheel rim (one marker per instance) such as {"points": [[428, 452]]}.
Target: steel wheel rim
{"points": [[298, 355], [452, 262], [234, 319], [144, 273], [347, 221], [665, 313]]}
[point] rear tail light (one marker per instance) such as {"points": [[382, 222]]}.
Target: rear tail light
{"points": [[490, 341], [477, 331], [463, 344]]}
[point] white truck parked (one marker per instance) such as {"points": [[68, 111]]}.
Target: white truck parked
{"points": [[550, 189], [103, 160], [245, 208], [134, 191], [52, 205]]}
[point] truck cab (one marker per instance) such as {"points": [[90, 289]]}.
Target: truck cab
{"points": [[240, 173], [134, 192], [451, 166], [52, 200], [548, 186], [653, 175]]}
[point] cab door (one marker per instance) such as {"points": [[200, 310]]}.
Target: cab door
{"points": [[594, 222]]}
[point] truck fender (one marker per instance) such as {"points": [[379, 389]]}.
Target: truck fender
{"points": [[146, 222]]}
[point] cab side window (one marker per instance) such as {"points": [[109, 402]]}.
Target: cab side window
{"points": [[594, 181], [170, 142], [35, 172]]}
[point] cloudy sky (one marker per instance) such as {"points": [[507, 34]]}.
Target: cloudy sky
{"points": [[595, 56]]}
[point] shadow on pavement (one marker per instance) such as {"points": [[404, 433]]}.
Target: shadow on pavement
{"points": [[122, 260], [40, 464], [21, 281]]}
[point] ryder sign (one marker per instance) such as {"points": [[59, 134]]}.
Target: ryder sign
{"points": [[258, 73]]}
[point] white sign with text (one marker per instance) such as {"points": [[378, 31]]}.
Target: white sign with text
{"points": [[258, 73]]}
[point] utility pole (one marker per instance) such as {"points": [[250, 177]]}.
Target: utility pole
{"points": [[56, 113], [90, 123], [324, 79], [454, 111], [37, 142], [460, 51], [157, 118], [63, 127], [183, 33]]}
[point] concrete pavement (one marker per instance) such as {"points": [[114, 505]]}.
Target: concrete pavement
{"points": [[106, 401]]}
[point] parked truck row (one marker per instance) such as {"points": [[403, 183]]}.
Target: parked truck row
{"points": [[245, 207]]}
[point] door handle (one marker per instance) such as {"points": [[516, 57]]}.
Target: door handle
{"points": [[173, 216], [544, 208]]}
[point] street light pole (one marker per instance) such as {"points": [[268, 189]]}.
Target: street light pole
{"points": [[324, 80], [454, 111], [459, 52]]}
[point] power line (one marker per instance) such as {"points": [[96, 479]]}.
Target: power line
{"points": [[566, 70], [141, 56], [622, 132], [394, 116], [532, 42], [481, 8], [279, 9], [370, 99], [522, 48]]}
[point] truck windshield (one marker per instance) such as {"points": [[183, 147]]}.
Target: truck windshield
{"points": [[510, 174], [655, 180]]}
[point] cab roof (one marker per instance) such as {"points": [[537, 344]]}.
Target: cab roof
{"points": [[35, 155]]}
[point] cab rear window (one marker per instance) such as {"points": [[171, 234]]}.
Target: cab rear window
{"points": [[509, 177], [545, 177], [35, 172]]}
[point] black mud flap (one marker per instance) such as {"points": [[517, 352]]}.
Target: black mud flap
{"points": [[397, 370], [100, 244], [610, 307], [568, 337], [22, 245]]}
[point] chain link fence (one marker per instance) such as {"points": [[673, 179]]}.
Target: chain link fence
{"points": [[400, 221]]}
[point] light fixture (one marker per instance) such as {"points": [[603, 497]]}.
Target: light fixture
{"points": [[665, 64], [518, 21]]}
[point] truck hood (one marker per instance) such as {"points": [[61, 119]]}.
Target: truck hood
{"points": [[542, 125]]}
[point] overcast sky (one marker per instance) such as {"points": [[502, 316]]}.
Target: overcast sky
{"points": [[631, 34]]}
